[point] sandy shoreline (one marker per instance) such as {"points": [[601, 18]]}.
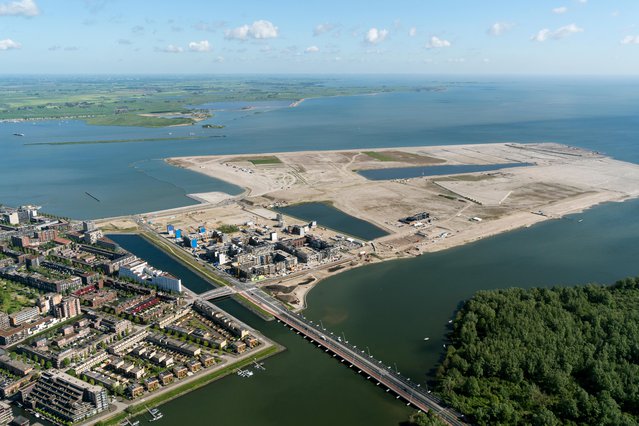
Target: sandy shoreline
{"points": [[463, 208]]}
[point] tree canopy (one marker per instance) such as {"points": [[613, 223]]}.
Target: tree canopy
{"points": [[546, 356]]}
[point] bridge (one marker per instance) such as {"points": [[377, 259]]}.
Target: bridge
{"points": [[356, 358], [366, 364], [216, 293]]}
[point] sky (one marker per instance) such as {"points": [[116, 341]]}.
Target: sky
{"points": [[572, 37]]}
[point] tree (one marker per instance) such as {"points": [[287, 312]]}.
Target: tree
{"points": [[425, 419], [546, 356]]}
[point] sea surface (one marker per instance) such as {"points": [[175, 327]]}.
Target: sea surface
{"points": [[391, 307], [130, 177]]}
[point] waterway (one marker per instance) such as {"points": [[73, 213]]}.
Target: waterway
{"points": [[301, 385], [392, 307], [129, 177], [330, 217], [453, 169], [161, 260]]}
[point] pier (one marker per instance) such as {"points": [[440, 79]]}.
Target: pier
{"points": [[90, 195]]}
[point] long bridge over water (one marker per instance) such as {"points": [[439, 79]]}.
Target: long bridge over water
{"points": [[365, 363]]}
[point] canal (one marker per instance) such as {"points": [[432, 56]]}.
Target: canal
{"points": [[301, 385]]}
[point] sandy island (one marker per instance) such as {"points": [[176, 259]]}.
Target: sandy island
{"points": [[463, 208]]}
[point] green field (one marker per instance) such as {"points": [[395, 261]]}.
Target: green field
{"points": [[138, 121], [379, 156], [121, 101], [265, 160], [15, 296]]}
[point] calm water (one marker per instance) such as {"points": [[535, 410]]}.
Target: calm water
{"points": [[294, 384], [411, 172], [330, 217], [161, 260], [390, 307], [393, 306], [598, 114]]}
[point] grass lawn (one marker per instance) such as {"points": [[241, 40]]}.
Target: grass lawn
{"points": [[15, 296]]}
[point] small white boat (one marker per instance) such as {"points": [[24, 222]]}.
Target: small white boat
{"points": [[426, 338]]}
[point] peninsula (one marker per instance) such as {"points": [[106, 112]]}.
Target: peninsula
{"points": [[425, 199]]}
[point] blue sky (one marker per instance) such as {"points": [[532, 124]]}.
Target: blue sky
{"points": [[598, 37]]}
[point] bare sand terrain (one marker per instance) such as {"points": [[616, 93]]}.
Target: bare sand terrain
{"points": [[463, 208]]}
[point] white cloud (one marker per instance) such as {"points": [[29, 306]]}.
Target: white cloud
{"points": [[437, 43], [263, 29], [173, 49], [558, 34], [630, 39], [312, 49], [412, 32], [323, 28], [239, 33], [200, 46], [258, 30], [499, 28], [542, 35], [19, 7], [582, 1], [560, 10], [8, 44], [375, 36], [567, 30]]}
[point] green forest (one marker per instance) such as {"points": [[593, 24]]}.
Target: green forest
{"points": [[546, 356]]}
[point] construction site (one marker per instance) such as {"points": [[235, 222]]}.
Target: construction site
{"points": [[443, 203]]}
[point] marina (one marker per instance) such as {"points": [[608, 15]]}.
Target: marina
{"points": [[155, 414]]}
